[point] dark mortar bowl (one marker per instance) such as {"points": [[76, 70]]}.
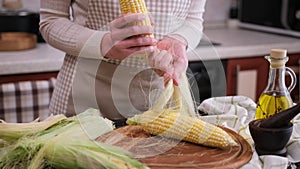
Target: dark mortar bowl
{"points": [[270, 141]]}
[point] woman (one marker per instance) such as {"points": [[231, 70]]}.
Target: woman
{"points": [[101, 68]]}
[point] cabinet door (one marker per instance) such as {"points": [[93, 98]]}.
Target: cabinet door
{"points": [[250, 74], [207, 79]]}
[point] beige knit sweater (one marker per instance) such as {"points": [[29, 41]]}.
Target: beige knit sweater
{"points": [[183, 17]]}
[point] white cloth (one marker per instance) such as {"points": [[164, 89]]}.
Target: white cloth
{"points": [[236, 112]]}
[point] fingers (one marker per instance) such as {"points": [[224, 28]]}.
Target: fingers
{"points": [[123, 40], [137, 45], [121, 34], [151, 19], [167, 65], [137, 41], [180, 66], [176, 77], [127, 47], [162, 63], [163, 45], [127, 19], [161, 60], [126, 26], [178, 51]]}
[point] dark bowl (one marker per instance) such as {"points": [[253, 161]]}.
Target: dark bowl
{"points": [[270, 141]]}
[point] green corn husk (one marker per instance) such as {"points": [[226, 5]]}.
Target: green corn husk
{"points": [[3, 143], [67, 144], [13, 131], [89, 155], [19, 155]]}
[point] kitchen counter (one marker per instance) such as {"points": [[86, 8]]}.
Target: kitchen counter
{"points": [[239, 43], [43, 58], [233, 43]]}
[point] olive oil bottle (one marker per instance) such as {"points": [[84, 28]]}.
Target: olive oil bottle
{"points": [[276, 96]]}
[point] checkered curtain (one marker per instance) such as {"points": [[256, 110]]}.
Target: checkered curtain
{"points": [[25, 101]]}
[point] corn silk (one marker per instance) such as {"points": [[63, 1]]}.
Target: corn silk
{"points": [[62, 143]]}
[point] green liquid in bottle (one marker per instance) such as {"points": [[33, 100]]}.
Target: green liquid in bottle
{"points": [[269, 105]]}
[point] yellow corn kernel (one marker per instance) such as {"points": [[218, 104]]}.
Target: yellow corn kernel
{"points": [[182, 127], [135, 6]]}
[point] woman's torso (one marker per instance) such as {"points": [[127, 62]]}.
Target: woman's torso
{"points": [[167, 15]]}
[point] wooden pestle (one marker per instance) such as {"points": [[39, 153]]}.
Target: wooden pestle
{"points": [[281, 119]]}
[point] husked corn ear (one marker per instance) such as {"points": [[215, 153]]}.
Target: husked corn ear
{"points": [[178, 126], [135, 6]]}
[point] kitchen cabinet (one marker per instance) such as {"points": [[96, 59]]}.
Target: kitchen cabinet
{"points": [[27, 77], [294, 63], [254, 65], [207, 79], [252, 73]]}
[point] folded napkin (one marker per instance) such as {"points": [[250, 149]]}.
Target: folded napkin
{"points": [[236, 112]]}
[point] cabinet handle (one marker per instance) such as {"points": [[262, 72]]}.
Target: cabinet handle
{"points": [[237, 69]]}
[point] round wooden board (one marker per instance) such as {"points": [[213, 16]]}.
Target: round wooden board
{"points": [[15, 41], [162, 153]]}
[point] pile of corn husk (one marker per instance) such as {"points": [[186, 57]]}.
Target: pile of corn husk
{"points": [[61, 142]]}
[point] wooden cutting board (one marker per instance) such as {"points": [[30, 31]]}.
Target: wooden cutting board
{"points": [[15, 41], [162, 153]]}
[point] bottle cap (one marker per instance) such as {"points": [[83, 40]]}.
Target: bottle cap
{"points": [[278, 53], [278, 58]]}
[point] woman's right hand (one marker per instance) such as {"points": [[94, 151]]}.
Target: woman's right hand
{"points": [[123, 39]]}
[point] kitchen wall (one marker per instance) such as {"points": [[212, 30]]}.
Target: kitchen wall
{"points": [[216, 10], [33, 5]]}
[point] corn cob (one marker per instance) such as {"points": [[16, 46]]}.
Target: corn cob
{"points": [[182, 127], [136, 6]]}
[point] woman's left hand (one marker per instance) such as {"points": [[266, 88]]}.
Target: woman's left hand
{"points": [[170, 60]]}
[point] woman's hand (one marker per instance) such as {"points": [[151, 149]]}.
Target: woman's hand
{"points": [[124, 40], [170, 59]]}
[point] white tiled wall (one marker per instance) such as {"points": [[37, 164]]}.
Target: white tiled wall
{"points": [[216, 10]]}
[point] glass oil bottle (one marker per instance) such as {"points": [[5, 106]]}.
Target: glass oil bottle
{"points": [[276, 96]]}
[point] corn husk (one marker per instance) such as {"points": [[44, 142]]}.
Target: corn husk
{"points": [[68, 143], [13, 131]]}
